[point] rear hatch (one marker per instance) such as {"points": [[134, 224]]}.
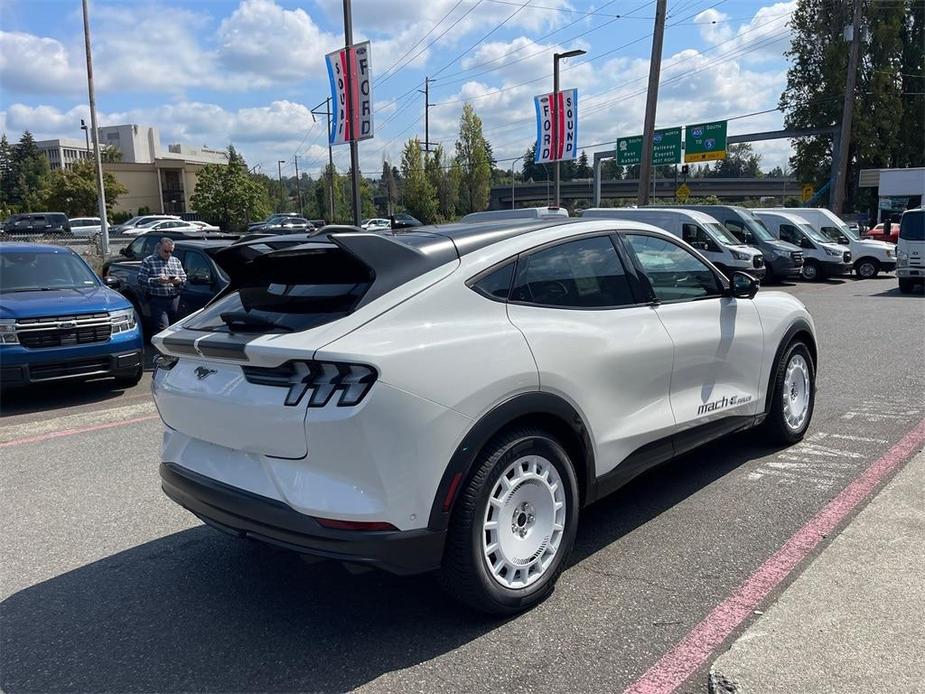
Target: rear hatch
{"points": [[238, 359]]}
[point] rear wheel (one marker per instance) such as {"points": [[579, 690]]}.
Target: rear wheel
{"points": [[810, 271], [867, 268], [513, 526], [793, 396]]}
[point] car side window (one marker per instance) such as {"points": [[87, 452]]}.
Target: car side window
{"points": [[496, 284], [737, 229], [673, 272], [698, 238], [585, 273], [789, 233], [197, 268], [150, 243]]}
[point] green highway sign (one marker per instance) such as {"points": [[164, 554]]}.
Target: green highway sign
{"points": [[666, 148], [705, 142]]}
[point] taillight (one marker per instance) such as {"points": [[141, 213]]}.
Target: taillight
{"points": [[323, 378]]}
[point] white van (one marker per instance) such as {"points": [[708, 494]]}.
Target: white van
{"points": [[910, 250], [518, 213], [703, 232], [821, 257], [869, 257]]}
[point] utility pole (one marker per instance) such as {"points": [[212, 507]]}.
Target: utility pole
{"points": [[298, 184], [556, 57], [100, 190], [279, 169], [655, 67], [354, 155], [427, 106], [844, 137], [330, 175]]}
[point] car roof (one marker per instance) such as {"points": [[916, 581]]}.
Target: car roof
{"points": [[784, 213], [617, 212], [21, 247]]}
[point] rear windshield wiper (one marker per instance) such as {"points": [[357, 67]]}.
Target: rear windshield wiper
{"points": [[245, 323]]}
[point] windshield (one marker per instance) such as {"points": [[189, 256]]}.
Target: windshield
{"points": [[813, 234], [758, 229], [912, 227], [722, 233], [22, 272]]}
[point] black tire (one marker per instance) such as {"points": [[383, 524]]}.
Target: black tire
{"points": [[906, 285], [867, 268], [132, 379], [464, 573], [811, 271], [776, 426]]}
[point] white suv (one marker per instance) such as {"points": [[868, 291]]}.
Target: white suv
{"points": [[450, 398]]}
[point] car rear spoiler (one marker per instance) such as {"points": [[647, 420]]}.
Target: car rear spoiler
{"points": [[390, 260]]}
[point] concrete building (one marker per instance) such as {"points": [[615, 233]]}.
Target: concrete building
{"points": [[63, 152], [159, 179]]}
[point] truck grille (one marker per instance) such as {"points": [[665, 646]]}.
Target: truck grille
{"points": [[63, 331], [797, 257], [758, 261]]}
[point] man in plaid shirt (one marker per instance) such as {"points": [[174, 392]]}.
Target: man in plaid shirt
{"points": [[161, 275]]}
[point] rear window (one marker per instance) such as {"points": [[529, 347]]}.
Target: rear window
{"points": [[289, 291], [912, 227]]}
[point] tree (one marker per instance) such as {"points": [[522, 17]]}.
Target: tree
{"points": [[388, 188], [611, 170], [741, 161], [6, 174], [227, 195], [531, 170], [474, 155], [420, 196], [583, 167], [110, 154], [438, 173], [73, 191], [28, 175]]}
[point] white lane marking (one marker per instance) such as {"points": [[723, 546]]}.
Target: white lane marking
{"points": [[75, 421], [860, 439]]}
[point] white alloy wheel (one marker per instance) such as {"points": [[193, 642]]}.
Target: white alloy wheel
{"points": [[524, 522], [796, 392]]}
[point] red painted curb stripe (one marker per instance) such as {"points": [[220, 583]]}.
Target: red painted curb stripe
{"points": [[693, 650], [78, 430]]}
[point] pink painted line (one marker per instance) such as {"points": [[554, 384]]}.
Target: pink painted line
{"points": [[76, 430], [685, 658]]}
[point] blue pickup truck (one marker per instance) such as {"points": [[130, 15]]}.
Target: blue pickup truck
{"points": [[58, 320]]}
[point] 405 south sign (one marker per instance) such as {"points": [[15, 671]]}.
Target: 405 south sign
{"points": [[350, 73], [556, 126]]}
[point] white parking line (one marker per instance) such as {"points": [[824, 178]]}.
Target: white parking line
{"points": [[80, 420]]}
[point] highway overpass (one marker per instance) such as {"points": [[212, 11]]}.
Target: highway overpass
{"points": [[538, 193]]}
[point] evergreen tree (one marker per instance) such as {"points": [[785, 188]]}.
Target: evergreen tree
{"points": [[474, 155], [583, 167], [741, 161], [6, 174], [30, 175], [531, 170], [388, 188], [440, 180], [611, 170], [227, 195], [420, 196]]}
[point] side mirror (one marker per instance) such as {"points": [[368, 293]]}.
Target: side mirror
{"points": [[200, 280], [112, 282], [742, 286], [125, 252]]}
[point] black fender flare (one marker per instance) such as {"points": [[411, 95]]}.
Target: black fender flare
{"points": [[798, 327], [538, 405]]}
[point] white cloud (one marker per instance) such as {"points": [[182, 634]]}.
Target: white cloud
{"points": [[39, 65], [766, 36]]}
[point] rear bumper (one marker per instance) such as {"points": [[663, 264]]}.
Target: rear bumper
{"points": [[16, 372], [887, 266], [260, 518]]}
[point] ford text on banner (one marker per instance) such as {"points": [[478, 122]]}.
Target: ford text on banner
{"points": [[351, 68], [556, 126]]}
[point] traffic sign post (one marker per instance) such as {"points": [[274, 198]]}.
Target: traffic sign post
{"points": [[666, 148], [705, 142], [683, 193]]}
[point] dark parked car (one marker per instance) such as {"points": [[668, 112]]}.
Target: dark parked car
{"points": [[38, 224], [143, 246], [204, 278]]}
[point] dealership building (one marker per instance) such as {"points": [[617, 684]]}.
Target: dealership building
{"points": [[157, 178]]}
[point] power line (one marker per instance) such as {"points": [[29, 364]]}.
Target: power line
{"points": [[420, 40]]}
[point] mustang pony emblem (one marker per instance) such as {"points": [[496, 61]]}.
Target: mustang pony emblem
{"points": [[202, 372]]}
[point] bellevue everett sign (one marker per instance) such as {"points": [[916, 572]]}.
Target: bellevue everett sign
{"points": [[556, 126], [350, 68], [666, 148]]}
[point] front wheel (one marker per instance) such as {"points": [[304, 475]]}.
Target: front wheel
{"points": [[906, 285], [513, 526], [793, 396], [867, 268], [810, 271]]}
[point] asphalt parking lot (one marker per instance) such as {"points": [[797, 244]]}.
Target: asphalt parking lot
{"points": [[108, 586]]}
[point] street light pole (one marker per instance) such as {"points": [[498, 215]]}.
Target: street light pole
{"points": [[83, 126], [556, 57], [279, 171], [100, 190]]}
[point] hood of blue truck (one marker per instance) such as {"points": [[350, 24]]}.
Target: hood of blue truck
{"points": [[61, 302]]}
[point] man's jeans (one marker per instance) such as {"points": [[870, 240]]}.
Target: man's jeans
{"points": [[163, 310]]}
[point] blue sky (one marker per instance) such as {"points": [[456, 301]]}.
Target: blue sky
{"points": [[210, 72]]}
